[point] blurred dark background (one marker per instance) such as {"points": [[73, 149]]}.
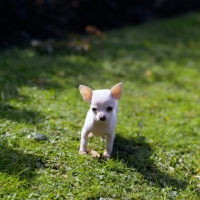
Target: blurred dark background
{"points": [[24, 20]]}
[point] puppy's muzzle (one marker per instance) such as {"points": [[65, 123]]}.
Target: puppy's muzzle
{"points": [[102, 117]]}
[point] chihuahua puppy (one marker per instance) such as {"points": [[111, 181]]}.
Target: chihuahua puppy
{"points": [[102, 116]]}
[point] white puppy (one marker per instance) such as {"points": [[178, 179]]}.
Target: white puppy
{"points": [[102, 116]]}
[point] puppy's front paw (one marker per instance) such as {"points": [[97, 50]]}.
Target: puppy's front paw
{"points": [[106, 155], [82, 152]]}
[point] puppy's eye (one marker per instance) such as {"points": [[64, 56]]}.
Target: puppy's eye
{"points": [[94, 109], [109, 108]]}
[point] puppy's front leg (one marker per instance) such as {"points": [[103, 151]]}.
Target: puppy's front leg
{"points": [[83, 145], [110, 140]]}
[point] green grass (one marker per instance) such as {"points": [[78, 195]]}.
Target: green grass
{"points": [[156, 149]]}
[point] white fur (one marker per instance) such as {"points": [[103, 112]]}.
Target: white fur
{"points": [[101, 121]]}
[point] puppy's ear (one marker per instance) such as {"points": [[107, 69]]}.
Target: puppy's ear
{"points": [[86, 92], [116, 91]]}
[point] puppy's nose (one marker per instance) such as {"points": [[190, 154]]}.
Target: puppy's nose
{"points": [[102, 118]]}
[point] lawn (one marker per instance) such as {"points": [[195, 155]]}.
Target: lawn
{"points": [[156, 149]]}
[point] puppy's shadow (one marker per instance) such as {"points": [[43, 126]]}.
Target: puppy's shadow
{"points": [[137, 154]]}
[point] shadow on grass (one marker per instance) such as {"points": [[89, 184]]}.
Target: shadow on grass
{"points": [[137, 154], [28, 68], [18, 163], [20, 115]]}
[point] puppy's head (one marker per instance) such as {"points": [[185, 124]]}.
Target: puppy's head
{"points": [[102, 102]]}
